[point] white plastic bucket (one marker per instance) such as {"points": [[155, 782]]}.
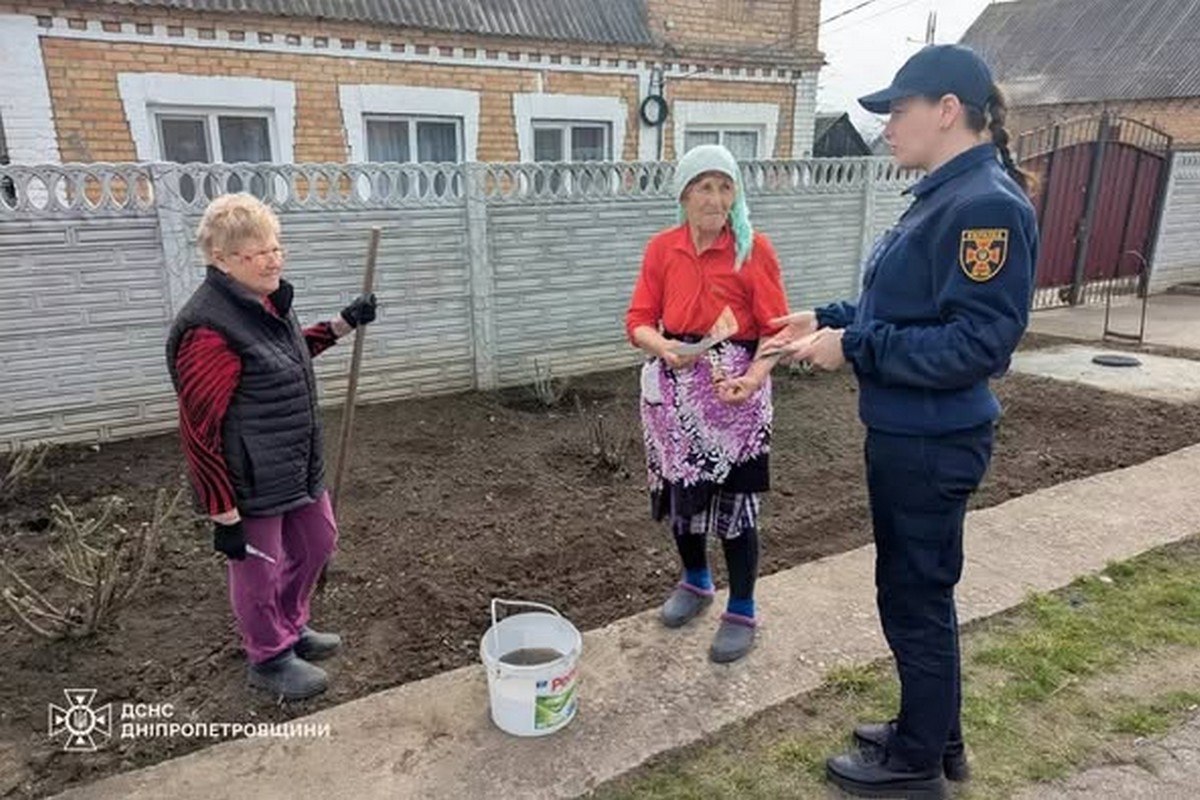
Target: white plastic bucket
{"points": [[535, 699]]}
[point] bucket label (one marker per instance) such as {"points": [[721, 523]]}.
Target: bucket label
{"points": [[555, 701]]}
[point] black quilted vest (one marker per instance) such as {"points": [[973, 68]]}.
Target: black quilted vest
{"points": [[272, 432]]}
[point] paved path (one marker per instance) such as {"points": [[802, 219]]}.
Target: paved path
{"points": [[647, 691], [1170, 380], [1172, 320], [1162, 769]]}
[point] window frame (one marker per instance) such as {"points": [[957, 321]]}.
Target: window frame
{"points": [[212, 115], [765, 118], [412, 120], [142, 91], [565, 127], [398, 100], [723, 130], [582, 109]]}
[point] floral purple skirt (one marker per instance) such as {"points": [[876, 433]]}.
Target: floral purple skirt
{"points": [[706, 460]]}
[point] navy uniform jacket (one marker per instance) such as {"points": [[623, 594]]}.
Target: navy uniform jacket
{"points": [[945, 300]]}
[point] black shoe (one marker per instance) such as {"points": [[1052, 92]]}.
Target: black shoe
{"points": [[954, 761], [315, 646], [860, 776], [289, 677]]}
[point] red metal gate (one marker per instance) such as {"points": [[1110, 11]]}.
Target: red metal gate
{"points": [[1103, 180]]}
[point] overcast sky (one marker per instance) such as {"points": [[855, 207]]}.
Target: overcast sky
{"points": [[865, 48]]}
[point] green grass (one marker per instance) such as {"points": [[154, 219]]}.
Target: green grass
{"points": [[1027, 711], [1156, 716]]}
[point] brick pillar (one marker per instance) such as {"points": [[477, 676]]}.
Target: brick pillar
{"points": [[804, 118]]}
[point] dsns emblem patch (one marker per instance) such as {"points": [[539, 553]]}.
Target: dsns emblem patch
{"points": [[983, 252]]}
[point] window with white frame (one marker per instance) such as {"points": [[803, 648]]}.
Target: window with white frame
{"points": [[569, 128], [188, 135], [203, 118], [409, 139], [744, 143], [410, 124], [568, 141], [748, 130]]}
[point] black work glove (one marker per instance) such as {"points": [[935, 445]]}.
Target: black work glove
{"points": [[230, 540], [361, 311]]}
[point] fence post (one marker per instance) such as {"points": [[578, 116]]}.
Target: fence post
{"points": [[181, 278], [868, 222], [483, 319], [1162, 196]]}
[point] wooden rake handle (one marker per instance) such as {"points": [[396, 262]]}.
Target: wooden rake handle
{"points": [[360, 336]]}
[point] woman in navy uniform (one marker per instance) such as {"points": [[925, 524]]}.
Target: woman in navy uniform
{"points": [[945, 300]]}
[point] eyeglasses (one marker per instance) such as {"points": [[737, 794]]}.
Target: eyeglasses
{"points": [[274, 252]]}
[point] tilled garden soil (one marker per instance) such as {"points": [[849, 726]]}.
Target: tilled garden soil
{"points": [[452, 501]]}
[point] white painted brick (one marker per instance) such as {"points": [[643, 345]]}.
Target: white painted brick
{"points": [[25, 93]]}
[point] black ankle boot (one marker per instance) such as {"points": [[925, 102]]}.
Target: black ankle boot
{"points": [[862, 776], [874, 737], [315, 646], [289, 677]]}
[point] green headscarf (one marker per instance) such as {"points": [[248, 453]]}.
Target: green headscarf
{"points": [[715, 158]]}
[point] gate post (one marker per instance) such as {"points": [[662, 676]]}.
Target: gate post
{"points": [[1085, 225], [1055, 142], [1161, 194]]}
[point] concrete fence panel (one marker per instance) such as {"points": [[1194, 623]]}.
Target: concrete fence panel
{"points": [[484, 270]]}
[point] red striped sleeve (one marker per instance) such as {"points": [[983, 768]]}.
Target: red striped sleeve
{"points": [[320, 337], [209, 371]]}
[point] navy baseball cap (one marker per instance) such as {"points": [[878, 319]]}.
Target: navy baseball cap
{"points": [[935, 71]]}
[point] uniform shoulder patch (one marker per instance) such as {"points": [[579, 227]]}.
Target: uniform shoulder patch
{"points": [[983, 252]]}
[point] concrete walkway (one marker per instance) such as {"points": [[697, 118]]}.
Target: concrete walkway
{"points": [[1172, 320], [1170, 380], [646, 690], [1162, 769]]}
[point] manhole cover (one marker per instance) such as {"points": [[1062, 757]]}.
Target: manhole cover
{"points": [[1107, 360]]}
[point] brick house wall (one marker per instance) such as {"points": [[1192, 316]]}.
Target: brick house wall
{"points": [[1180, 118], [706, 62], [737, 24]]}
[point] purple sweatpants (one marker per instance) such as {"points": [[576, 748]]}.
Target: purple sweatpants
{"points": [[270, 601]]}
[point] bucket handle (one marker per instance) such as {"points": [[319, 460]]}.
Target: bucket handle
{"points": [[497, 603]]}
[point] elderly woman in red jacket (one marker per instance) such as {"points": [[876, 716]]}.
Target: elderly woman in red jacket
{"points": [[242, 368], [707, 417]]}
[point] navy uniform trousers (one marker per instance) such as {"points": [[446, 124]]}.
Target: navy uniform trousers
{"points": [[919, 487]]}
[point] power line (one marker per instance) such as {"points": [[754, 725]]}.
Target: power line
{"points": [[849, 11], [882, 13]]}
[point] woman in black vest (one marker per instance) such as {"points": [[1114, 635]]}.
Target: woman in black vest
{"points": [[242, 369]]}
